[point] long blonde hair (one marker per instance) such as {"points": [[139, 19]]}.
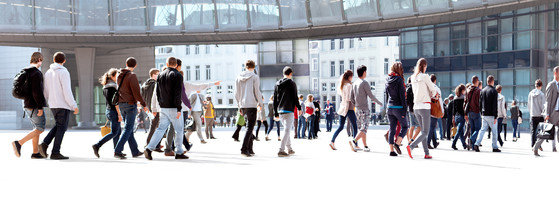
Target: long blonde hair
{"points": [[105, 78], [345, 79], [420, 67]]}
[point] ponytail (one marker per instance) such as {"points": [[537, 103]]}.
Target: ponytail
{"points": [[105, 78]]}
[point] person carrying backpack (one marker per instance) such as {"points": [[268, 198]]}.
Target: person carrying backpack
{"points": [[28, 86]]}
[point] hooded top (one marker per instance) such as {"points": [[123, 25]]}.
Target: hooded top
{"points": [[285, 97], [109, 91], [58, 88], [501, 110], [536, 100], [423, 90], [472, 96], [35, 82], [248, 90], [147, 91], [396, 92]]}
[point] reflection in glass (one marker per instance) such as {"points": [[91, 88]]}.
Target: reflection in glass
{"points": [[474, 45], [326, 12], [165, 15], [426, 35], [360, 10], [431, 6], [232, 15], [264, 14], [443, 48], [506, 42], [129, 15], [396, 8], [427, 49], [54, 15], [92, 15], [293, 13], [523, 40], [199, 15], [410, 51], [17, 15]]}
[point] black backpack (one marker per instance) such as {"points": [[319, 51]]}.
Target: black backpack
{"points": [[409, 96], [20, 89]]}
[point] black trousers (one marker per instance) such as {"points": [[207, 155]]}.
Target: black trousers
{"points": [[535, 121], [258, 124], [152, 127], [250, 118], [61, 117], [236, 134], [448, 128], [316, 123]]}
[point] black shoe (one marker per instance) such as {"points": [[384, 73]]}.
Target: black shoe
{"points": [[58, 157], [436, 145], [246, 154], [430, 147], [393, 153], [138, 155], [454, 147], [496, 150], [95, 150], [43, 150], [37, 156], [213, 138], [158, 150], [181, 157], [120, 156], [397, 148], [476, 148], [283, 154], [17, 148], [251, 152], [147, 153]]}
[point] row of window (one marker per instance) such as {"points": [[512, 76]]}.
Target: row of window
{"points": [[341, 67], [342, 42], [197, 73], [333, 86]]}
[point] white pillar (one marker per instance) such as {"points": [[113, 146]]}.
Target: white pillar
{"points": [[85, 61]]}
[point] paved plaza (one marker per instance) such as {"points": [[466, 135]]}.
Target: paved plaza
{"points": [[217, 170]]}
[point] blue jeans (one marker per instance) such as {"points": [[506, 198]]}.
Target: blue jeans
{"points": [[271, 121], [460, 123], [168, 116], [432, 137], [474, 120], [128, 113], [441, 130], [329, 119], [488, 122], [514, 128], [112, 116], [301, 125], [395, 116], [352, 118], [61, 118], [310, 122]]}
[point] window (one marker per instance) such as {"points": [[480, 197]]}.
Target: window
{"points": [[165, 50], [314, 64], [187, 49], [342, 44], [315, 84], [332, 69], [231, 101], [373, 86], [333, 100], [209, 91], [332, 44], [219, 101], [332, 87], [386, 65], [351, 43], [386, 41], [243, 67], [324, 98], [208, 72], [207, 49], [187, 73], [351, 65], [197, 73], [342, 67], [197, 49], [324, 88], [230, 89], [218, 89]]}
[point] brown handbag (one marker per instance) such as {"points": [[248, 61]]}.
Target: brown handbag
{"points": [[436, 110]]}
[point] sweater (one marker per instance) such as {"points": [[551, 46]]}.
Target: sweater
{"points": [[396, 92], [359, 93], [130, 90], [345, 104], [247, 92], [501, 110], [35, 83], [58, 88], [472, 94], [109, 91], [285, 96], [488, 101], [536, 101], [423, 91]]}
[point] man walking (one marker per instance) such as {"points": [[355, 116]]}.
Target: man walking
{"points": [[33, 102], [285, 102], [471, 107], [329, 108], [248, 97], [488, 102], [302, 126], [147, 93], [552, 109], [197, 103], [361, 89], [536, 101], [58, 93], [168, 91]]}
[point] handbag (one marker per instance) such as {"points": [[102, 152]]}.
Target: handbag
{"points": [[454, 130], [116, 96], [105, 129], [436, 110], [545, 131], [519, 116]]}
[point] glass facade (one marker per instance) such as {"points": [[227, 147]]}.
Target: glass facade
{"points": [[516, 47]]}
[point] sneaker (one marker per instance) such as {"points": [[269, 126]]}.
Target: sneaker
{"points": [[43, 150], [268, 139], [536, 153], [332, 146], [476, 148], [496, 150], [246, 154], [169, 153], [428, 157], [120, 156], [397, 148], [203, 142], [291, 152], [256, 139], [17, 148], [367, 149], [394, 154], [58, 157], [37, 156], [138, 155], [352, 146], [147, 153], [283, 154], [409, 151], [181, 157], [95, 150]]}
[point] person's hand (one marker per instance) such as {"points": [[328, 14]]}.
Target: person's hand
{"points": [[40, 112], [154, 114], [189, 116], [119, 118], [241, 111], [76, 111], [146, 109], [495, 121], [300, 113], [178, 114], [217, 83], [466, 117], [547, 118], [276, 118]]}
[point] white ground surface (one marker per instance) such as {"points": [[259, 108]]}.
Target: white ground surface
{"points": [[217, 170]]}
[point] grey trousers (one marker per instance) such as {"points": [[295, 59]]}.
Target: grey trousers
{"points": [[196, 116], [540, 141], [287, 121], [209, 127], [423, 117]]}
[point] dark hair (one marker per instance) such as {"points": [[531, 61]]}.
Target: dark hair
{"points": [[421, 66], [131, 62], [539, 83], [179, 62], [475, 79], [250, 64], [36, 57], [153, 71], [459, 89], [433, 78], [409, 80], [345, 79], [104, 79], [490, 79], [361, 70], [59, 57], [397, 68], [499, 88], [287, 70], [172, 61], [556, 69]]}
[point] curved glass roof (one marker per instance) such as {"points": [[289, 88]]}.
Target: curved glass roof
{"points": [[194, 16]]}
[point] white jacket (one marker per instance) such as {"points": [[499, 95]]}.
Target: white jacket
{"points": [[58, 88], [441, 102], [501, 110], [423, 91], [346, 98]]}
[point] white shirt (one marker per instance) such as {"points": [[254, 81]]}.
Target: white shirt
{"points": [[198, 105]]}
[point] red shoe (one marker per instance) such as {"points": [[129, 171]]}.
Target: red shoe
{"points": [[409, 151], [428, 157]]}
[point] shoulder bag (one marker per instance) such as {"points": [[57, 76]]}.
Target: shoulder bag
{"points": [[117, 94]]}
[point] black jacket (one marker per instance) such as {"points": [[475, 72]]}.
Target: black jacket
{"points": [[488, 101], [396, 92], [458, 106], [409, 97], [109, 92], [147, 91], [35, 82], [285, 96], [169, 88]]}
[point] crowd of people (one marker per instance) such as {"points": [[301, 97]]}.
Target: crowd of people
{"points": [[414, 110]]}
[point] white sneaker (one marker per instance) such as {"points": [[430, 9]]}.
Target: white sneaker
{"points": [[352, 146], [367, 149]]}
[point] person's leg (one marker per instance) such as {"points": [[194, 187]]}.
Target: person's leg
{"points": [[432, 137], [340, 128], [129, 113], [170, 138], [112, 116], [179, 132], [164, 123], [39, 123], [392, 121], [250, 116], [287, 121], [278, 128], [152, 127], [62, 119], [441, 131], [353, 121], [50, 136], [448, 128], [514, 126], [295, 125], [265, 126], [258, 124], [299, 126], [499, 129], [271, 121], [208, 126], [474, 131], [197, 118], [211, 126], [484, 127], [495, 136], [423, 117], [403, 120], [237, 131]]}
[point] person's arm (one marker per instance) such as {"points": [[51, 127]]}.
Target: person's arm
{"points": [[154, 102], [549, 99], [190, 87], [276, 101], [256, 90], [67, 90], [135, 86], [37, 91], [177, 94], [530, 101], [238, 93], [402, 93], [352, 94], [480, 101], [367, 89], [431, 86], [296, 99], [184, 98]]}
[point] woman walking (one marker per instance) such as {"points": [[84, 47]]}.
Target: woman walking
{"points": [[309, 116], [272, 120], [515, 114], [108, 80], [261, 119], [458, 119], [423, 91], [396, 93], [346, 109], [209, 115]]}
